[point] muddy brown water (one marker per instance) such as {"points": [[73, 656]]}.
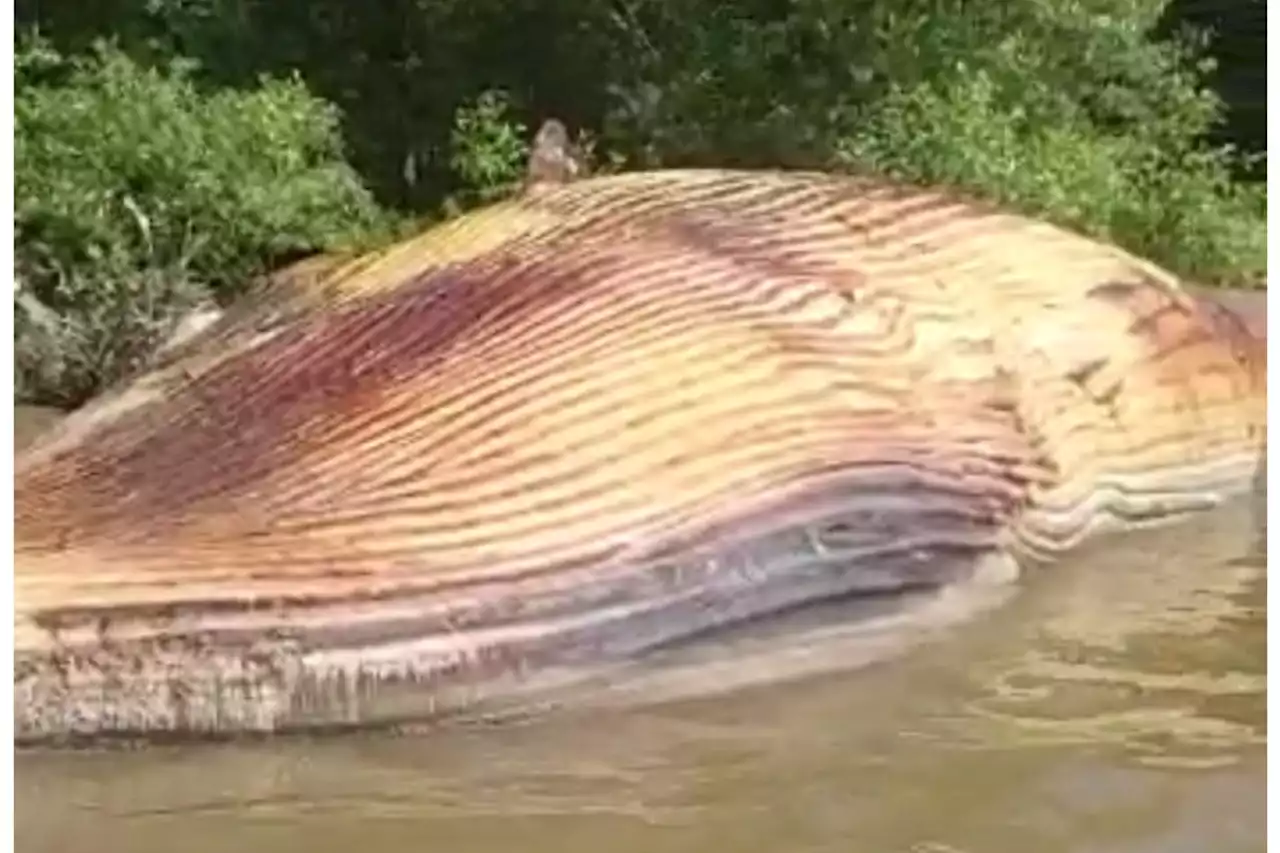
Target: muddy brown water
{"points": [[1116, 704]]}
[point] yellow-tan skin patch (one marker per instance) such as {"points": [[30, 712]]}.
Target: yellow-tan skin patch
{"points": [[599, 418]]}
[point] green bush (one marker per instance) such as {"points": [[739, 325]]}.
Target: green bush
{"points": [[1076, 115], [489, 148], [1069, 109], [138, 196]]}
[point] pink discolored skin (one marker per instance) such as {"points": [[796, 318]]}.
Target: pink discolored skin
{"points": [[591, 421]]}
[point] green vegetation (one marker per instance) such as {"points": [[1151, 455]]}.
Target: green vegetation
{"points": [[169, 150], [138, 197]]}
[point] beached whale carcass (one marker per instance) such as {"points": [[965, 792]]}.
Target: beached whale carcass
{"points": [[598, 418]]}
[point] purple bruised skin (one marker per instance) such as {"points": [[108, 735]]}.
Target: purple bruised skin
{"points": [[601, 418]]}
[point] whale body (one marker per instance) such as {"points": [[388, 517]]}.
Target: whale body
{"points": [[582, 424]]}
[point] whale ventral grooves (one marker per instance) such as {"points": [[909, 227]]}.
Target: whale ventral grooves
{"points": [[590, 421]]}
